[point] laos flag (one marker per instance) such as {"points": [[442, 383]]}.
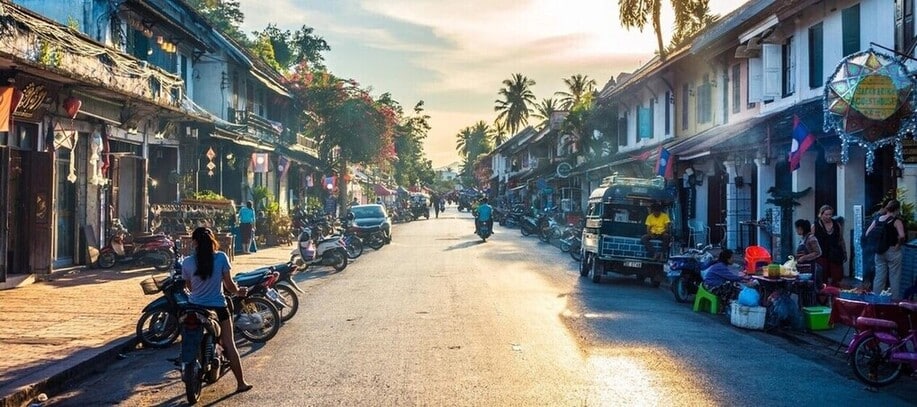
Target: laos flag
{"points": [[664, 165], [802, 140]]}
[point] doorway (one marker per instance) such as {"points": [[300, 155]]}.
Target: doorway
{"points": [[64, 211]]}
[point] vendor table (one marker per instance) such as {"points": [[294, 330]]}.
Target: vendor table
{"points": [[847, 311], [804, 289]]}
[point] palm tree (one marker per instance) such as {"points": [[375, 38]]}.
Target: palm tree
{"points": [[517, 95], [464, 142], [545, 110], [637, 13], [578, 86], [498, 132]]}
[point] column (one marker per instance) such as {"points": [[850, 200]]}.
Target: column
{"points": [[732, 226], [766, 181]]}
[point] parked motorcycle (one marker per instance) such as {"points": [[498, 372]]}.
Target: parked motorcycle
{"points": [[549, 229], [158, 326], [528, 224], [315, 250], [263, 283], [154, 250], [202, 359], [684, 271]]}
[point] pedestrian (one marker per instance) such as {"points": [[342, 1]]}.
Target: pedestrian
{"points": [[830, 235], [808, 251], [247, 226], [434, 202], [206, 273], [888, 251]]}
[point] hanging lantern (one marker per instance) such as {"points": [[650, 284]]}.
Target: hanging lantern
{"points": [[72, 106]]}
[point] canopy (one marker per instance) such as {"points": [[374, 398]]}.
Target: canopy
{"points": [[381, 190]]}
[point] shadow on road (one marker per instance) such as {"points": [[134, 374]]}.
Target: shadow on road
{"points": [[464, 245]]}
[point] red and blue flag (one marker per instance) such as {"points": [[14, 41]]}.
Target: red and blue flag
{"points": [[802, 140], [664, 165]]}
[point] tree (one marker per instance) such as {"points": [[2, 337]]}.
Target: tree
{"points": [[471, 143], [637, 13], [293, 48], [264, 49], [412, 167], [513, 110], [578, 86], [225, 16], [499, 132], [696, 17], [545, 110]]}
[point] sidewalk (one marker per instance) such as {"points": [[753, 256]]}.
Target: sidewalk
{"points": [[54, 330]]}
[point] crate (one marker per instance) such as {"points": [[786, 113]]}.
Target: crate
{"points": [[747, 317], [817, 318]]}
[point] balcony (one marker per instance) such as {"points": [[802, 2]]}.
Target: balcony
{"points": [[257, 126]]}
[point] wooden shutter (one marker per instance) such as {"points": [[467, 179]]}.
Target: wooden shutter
{"points": [[850, 21], [772, 56], [644, 123], [6, 197], [668, 112], [41, 205], [816, 56], [115, 172], [622, 131], [755, 80]]}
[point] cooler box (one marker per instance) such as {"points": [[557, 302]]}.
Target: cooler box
{"points": [[747, 317], [755, 258], [817, 318]]}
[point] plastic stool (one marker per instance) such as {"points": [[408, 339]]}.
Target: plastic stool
{"points": [[706, 299], [755, 257]]}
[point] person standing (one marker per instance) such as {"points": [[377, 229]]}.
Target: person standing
{"points": [[830, 235], [809, 250], [207, 274], [247, 226], [888, 253]]}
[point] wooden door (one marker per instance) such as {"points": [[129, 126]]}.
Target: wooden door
{"points": [[115, 175], [716, 204], [5, 212], [40, 186]]}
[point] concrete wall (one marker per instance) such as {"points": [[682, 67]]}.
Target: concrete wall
{"points": [[206, 78]]}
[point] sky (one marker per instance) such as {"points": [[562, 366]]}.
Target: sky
{"points": [[454, 55]]}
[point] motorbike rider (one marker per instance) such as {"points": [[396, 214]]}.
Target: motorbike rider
{"points": [[483, 215], [207, 274]]}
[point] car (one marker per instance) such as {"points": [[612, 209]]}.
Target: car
{"points": [[373, 215]]}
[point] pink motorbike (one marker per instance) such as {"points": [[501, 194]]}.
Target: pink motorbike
{"points": [[878, 354]]}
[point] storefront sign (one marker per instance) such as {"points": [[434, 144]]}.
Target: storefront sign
{"points": [[876, 97], [33, 96]]}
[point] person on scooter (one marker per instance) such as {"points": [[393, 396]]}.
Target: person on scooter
{"points": [[484, 215], [720, 281], [207, 274]]}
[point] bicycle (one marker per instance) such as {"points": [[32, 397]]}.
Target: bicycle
{"points": [[878, 354]]}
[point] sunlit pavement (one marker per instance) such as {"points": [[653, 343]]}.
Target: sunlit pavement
{"points": [[439, 318]]}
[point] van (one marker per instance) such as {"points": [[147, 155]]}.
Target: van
{"points": [[615, 222]]}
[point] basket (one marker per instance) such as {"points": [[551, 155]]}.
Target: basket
{"points": [[151, 285]]}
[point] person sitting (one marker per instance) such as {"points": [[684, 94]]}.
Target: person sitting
{"points": [[657, 228], [720, 281], [483, 215]]}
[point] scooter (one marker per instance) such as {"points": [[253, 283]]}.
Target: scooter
{"points": [[315, 250], [202, 359], [155, 250], [484, 229], [684, 271]]}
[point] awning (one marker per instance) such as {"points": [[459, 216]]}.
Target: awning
{"points": [[382, 191], [705, 142], [241, 140]]}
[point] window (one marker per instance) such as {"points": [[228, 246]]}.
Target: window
{"points": [[704, 100], [684, 106], [789, 68], [736, 88], [645, 122], [622, 131], [816, 56], [754, 91], [850, 21], [904, 25], [668, 112]]}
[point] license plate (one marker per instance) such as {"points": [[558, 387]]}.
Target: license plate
{"points": [[273, 294], [633, 264]]}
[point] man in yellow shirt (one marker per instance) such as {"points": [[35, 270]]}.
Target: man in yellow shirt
{"points": [[657, 228]]}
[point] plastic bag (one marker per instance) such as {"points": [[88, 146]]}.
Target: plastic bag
{"points": [[749, 297], [790, 265], [783, 311]]}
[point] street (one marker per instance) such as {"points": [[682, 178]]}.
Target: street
{"points": [[440, 318]]}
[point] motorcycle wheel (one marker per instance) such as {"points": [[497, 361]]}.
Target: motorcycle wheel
{"points": [[340, 262], [263, 307], [158, 328], [525, 231], [545, 235], [162, 260], [564, 246], [290, 298], [107, 260], [871, 365], [375, 242], [576, 253], [680, 289], [193, 385], [354, 247]]}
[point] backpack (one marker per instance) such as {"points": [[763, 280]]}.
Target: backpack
{"points": [[882, 236]]}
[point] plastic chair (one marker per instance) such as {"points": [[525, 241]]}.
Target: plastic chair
{"points": [[756, 256], [706, 300], [699, 233]]}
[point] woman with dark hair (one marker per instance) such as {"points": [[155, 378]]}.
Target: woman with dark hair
{"points": [[830, 236], [808, 250], [247, 225], [720, 281], [206, 274]]}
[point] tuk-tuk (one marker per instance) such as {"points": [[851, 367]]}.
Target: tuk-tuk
{"points": [[420, 205], [615, 222]]}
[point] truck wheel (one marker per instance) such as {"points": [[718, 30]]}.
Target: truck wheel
{"points": [[584, 266], [595, 272]]}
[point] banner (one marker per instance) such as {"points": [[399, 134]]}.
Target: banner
{"points": [[6, 107], [260, 162]]}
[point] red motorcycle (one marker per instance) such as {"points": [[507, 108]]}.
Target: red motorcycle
{"points": [[154, 250]]}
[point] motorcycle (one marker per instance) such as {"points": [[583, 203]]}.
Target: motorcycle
{"points": [[158, 326], [549, 228], [314, 250], [202, 359], [484, 229], [684, 271], [263, 283], [122, 247]]}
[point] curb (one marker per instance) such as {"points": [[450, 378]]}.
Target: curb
{"points": [[63, 371]]}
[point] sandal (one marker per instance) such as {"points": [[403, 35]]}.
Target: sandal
{"points": [[243, 389]]}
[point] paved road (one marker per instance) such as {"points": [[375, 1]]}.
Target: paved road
{"points": [[438, 318]]}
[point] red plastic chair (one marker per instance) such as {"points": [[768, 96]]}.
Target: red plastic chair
{"points": [[755, 257]]}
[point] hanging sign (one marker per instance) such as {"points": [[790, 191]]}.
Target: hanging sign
{"points": [[869, 101]]}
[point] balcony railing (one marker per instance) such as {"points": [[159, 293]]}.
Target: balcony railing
{"points": [[258, 126]]}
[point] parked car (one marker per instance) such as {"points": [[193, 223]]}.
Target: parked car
{"points": [[373, 216]]}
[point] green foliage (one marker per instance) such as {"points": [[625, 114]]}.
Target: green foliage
{"points": [[264, 49], [73, 23], [694, 17], [545, 110], [579, 87], [260, 195], [471, 143], [224, 15], [785, 199], [293, 48], [412, 167], [517, 99], [908, 209], [275, 222], [208, 195], [48, 54], [638, 13]]}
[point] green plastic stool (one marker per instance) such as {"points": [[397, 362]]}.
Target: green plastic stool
{"points": [[706, 299]]}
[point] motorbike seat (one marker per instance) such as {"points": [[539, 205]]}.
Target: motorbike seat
{"points": [[208, 318], [909, 306], [148, 238], [865, 322], [252, 278]]}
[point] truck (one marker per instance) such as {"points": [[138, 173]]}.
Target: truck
{"points": [[615, 222]]}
